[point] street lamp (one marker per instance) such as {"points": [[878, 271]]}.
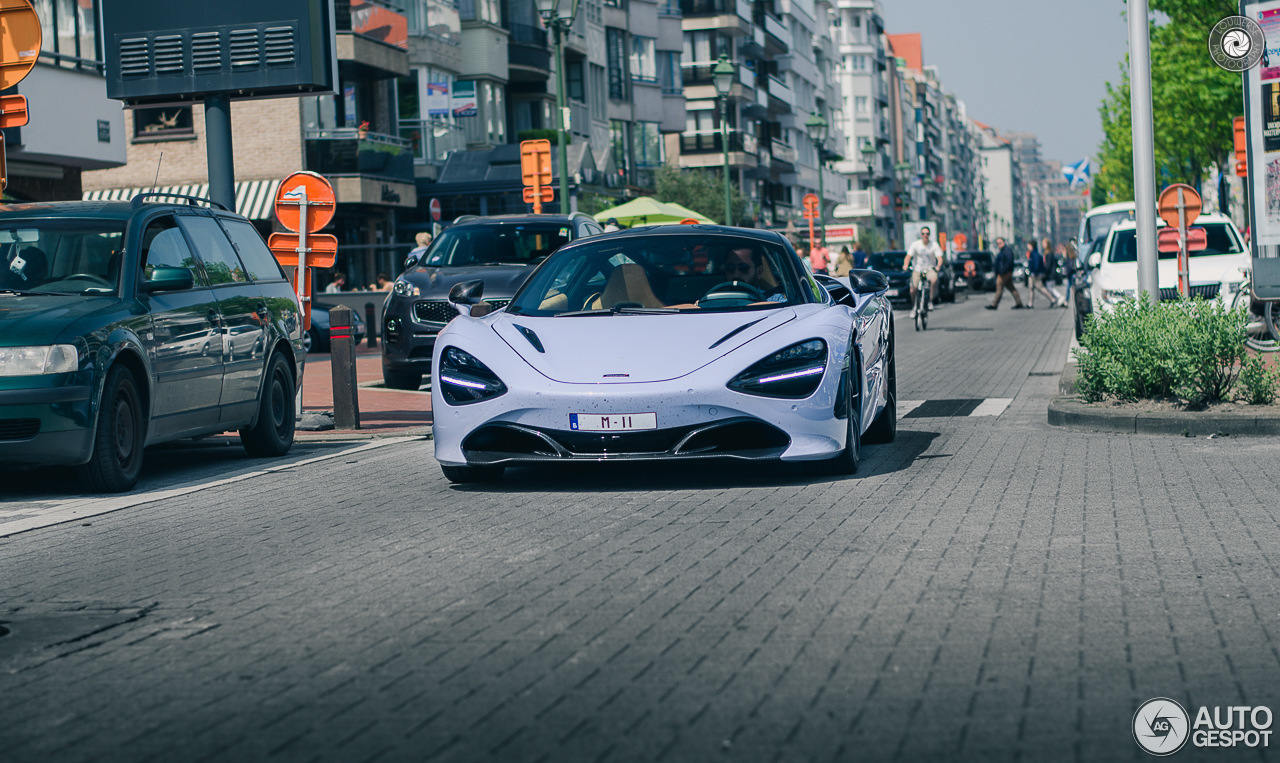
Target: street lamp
{"points": [[816, 126], [558, 15], [723, 75]]}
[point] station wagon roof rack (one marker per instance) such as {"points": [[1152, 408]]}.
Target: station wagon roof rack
{"points": [[193, 201]]}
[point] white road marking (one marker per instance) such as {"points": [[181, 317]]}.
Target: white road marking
{"points": [[992, 406], [25, 518], [907, 406]]}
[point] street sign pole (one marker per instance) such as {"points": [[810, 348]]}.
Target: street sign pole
{"points": [[1144, 170], [1184, 263], [1179, 205]]}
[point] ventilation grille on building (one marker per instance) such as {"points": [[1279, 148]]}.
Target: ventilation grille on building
{"points": [[244, 47], [135, 57], [168, 53], [209, 52], [280, 46], [206, 51]]}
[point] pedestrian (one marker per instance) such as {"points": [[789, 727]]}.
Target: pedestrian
{"points": [[612, 225], [383, 283], [819, 260], [1035, 276], [803, 251], [843, 263], [924, 259], [1053, 271], [860, 257], [423, 240], [339, 283], [1067, 262], [1004, 275]]}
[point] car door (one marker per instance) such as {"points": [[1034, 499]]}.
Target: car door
{"points": [[185, 342], [244, 318]]}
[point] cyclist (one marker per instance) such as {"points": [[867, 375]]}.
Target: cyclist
{"points": [[923, 260]]}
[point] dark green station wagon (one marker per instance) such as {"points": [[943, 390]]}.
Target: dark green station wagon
{"points": [[127, 324]]}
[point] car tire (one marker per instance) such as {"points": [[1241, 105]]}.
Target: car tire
{"points": [[402, 379], [462, 475], [272, 434], [116, 459], [847, 461], [1079, 321]]}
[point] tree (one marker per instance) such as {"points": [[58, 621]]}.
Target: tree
{"points": [[699, 190], [872, 240], [1193, 101], [591, 203]]}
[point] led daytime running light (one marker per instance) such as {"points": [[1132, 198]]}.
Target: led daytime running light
{"points": [[792, 375], [462, 382]]}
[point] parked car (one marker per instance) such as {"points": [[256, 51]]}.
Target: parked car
{"points": [[1097, 222], [1082, 299], [666, 343], [890, 264], [500, 251], [1215, 272], [984, 269], [317, 337], [126, 324]]}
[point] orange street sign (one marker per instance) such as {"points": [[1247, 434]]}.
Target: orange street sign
{"points": [[323, 249], [535, 162], [548, 193], [321, 202], [13, 110], [20, 43], [961, 241], [810, 202], [1179, 196]]}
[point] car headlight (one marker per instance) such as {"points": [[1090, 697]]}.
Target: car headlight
{"points": [[464, 379], [405, 288], [793, 372], [36, 361], [1116, 296]]}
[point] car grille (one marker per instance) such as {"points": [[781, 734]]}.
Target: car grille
{"points": [[1202, 291], [440, 311], [740, 438], [19, 429]]}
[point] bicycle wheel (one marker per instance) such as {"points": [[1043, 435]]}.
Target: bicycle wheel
{"points": [[1260, 330], [924, 316], [915, 314], [1271, 320]]}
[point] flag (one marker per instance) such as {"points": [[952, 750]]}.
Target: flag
{"points": [[1077, 173]]}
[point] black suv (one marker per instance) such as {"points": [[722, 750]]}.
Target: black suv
{"points": [[501, 251], [125, 324]]}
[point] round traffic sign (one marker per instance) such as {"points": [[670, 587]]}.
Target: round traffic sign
{"points": [[20, 43], [321, 203], [434, 206], [1171, 201]]}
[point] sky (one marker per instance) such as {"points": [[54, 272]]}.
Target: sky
{"points": [[1038, 66]]}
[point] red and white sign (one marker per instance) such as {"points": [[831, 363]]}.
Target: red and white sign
{"points": [[434, 207]]}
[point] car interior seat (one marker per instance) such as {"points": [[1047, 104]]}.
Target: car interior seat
{"points": [[627, 283]]}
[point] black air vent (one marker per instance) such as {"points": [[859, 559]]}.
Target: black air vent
{"points": [[244, 48], [280, 46], [168, 52], [206, 51], [135, 59]]}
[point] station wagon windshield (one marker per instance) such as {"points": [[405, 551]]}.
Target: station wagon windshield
{"points": [[663, 274], [515, 244], [61, 256], [1221, 240]]}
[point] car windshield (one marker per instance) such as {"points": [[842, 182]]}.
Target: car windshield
{"points": [[886, 261], [1098, 225], [496, 244], [673, 273], [52, 255], [1221, 240]]}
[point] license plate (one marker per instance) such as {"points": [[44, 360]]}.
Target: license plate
{"points": [[617, 422], [892, 292]]}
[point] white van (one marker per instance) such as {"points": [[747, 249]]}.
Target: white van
{"points": [[1098, 221]]}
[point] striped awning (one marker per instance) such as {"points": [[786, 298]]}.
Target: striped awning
{"points": [[254, 198]]}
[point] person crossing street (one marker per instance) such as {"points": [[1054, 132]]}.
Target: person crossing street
{"points": [[1004, 275]]}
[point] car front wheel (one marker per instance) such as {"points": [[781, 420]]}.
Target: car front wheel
{"points": [[272, 434], [117, 444]]}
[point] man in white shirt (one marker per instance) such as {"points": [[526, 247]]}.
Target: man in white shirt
{"points": [[923, 260]]}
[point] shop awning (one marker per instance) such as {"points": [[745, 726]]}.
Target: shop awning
{"points": [[254, 198]]}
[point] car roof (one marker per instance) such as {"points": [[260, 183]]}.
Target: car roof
{"points": [[118, 210], [1119, 206], [528, 218], [759, 234], [1211, 217]]}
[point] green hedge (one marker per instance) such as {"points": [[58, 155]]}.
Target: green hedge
{"points": [[1189, 350]]}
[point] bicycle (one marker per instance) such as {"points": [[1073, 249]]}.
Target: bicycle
{"points": [[921, 313], [1263, 328]]}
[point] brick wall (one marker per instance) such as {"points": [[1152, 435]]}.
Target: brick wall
{"points": [[266, 137]]}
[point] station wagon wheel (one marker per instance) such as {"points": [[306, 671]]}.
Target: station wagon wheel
{"points": [[116, 459], [272, 434]]}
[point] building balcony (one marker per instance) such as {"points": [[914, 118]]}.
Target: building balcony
{"points": [[372, 40], [733, 16], [350, 152], [777, 36], [432, 140], [783, 152], [527, 53], [778, 89], [709, 142]]}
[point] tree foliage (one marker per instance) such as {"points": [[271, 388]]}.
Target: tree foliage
{"points": [[1193, 101], [699, 190]]}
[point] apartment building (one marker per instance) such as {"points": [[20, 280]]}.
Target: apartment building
{"points": [[1007, 207]]}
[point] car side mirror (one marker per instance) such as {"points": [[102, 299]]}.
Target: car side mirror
{"points": [[411, 260], [1095, 260], [466, 296], [168, 279], [838, 291], [868, 281]]}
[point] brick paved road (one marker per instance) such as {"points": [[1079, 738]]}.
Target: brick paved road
{"points": [[984, 589]]}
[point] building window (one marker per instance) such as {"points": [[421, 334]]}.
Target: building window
{"points": [[69, 29], [616, 3], [860, 104], [163, 122], [616, 47], [596, 83], [644, 63], [574, 86], [669, 74], [620, 145], [648, 144]]}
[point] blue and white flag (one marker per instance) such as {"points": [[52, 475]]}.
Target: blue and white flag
{"points": [[1077, 173]]}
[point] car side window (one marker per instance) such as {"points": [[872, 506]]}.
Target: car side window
{"points": [[255, 255], [164, 246], [590, 229], [215, 251]]}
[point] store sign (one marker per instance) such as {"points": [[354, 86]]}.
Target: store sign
{"points": [[464, 99]]}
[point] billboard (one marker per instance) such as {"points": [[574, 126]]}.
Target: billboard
{"points": [[464, 98], [437, 99]]}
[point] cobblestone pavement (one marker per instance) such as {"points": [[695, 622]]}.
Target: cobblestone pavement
{"points": [[985, 588]]}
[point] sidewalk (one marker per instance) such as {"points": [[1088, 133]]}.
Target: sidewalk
{"points": [[383, 412]]}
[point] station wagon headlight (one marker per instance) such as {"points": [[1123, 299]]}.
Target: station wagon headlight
{"points": [[464, 379], [1116, 296], [405, 288], [792, 372], [36, 361]]}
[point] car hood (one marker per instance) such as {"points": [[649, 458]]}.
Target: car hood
{"points": [[621, 349], [45, 319], [499, 280], [1217, 268]]}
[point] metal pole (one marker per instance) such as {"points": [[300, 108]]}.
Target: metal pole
{"points": [[822, 213], [561, 117], [217, 134], [724, 140], [1144, 170]]}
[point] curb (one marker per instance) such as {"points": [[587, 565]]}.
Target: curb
{"points": [[355, 435], [1070, 413]]}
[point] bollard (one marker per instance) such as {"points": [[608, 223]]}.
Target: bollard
{"points": [[342, 359], [370, 325]]}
